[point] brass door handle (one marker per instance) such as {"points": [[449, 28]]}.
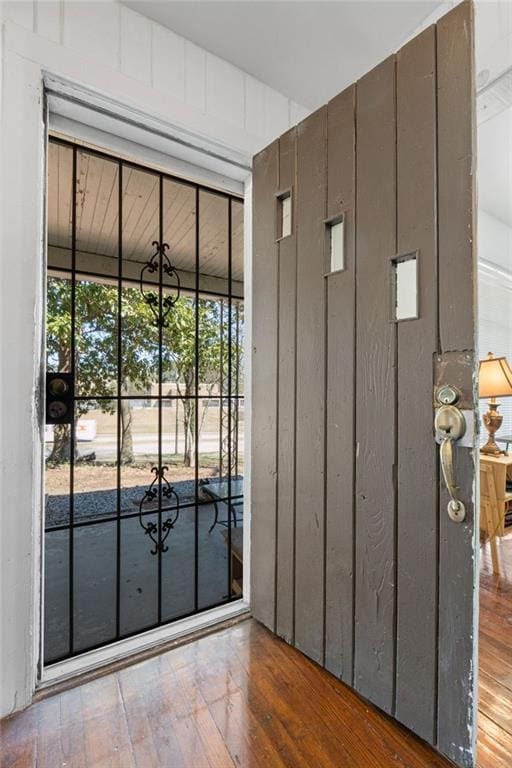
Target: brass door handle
{"points": [[450, 426]]}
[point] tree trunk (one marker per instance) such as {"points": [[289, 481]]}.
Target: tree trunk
{"points": [[61, 450], [188, 418], [188, 432], [126, 433]]}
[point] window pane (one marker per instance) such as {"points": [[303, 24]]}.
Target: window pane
{"points": [[237, 248], [406, 299], [95, 338], [58, 325], [97, 203], [285, 205], [139, 346], [178, 567], [337, 246], [139, 576], [95, 466], [140, 212], [56, 594], [179, 224], [60, 196], [94, 585], [213, 243], [138, 452]]}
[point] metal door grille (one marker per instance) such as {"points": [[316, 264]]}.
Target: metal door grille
{"points": [[112, 295]]}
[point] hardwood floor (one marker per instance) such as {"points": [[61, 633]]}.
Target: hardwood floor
{"points": [[495, 689], [239, 698], [242, 698]]}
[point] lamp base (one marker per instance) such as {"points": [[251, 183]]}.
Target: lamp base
{"points": [[493, 421], [491, 449]]}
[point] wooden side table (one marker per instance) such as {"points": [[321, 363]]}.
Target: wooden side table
{"points": [[502, 469], [494, 498]]}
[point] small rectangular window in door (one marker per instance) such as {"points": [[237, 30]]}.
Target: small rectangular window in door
{"points": [[404, 287], [336, 232], [284, 215]]}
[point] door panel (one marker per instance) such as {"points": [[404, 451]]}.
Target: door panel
{"points": [[375, 387], [264, 392], [354, 558], [340, 356], [458, 566], [287, 265], [310, 386], [417, 526]]}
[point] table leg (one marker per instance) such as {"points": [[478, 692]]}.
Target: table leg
{"points": [[495, 557], [216, 517]]}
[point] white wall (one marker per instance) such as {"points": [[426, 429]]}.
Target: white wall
{"points": [[494, 239], [495, 300], [493, 39], [116, 52], [494, 175], [493, 33]]}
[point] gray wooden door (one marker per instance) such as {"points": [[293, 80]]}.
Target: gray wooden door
{"points": [[355, 561]]}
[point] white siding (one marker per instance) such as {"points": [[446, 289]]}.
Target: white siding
{"points": [[254, 105], [225, 94], [48, 20], [135, 45], [195, 76], [168, 62], [277, 112], [109, 34], [19, 13], [93, 33]]}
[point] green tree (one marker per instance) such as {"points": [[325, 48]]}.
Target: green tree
{"points": [[96, 311], [96, 354], [179, 359]]}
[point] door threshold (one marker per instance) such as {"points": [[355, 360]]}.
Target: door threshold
{"points": [[86, 666]]}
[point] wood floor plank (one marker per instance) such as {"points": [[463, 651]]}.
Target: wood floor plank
{"points": [[240, 697], [296, 713], [193, 705], [344, 723], [496, 702], [495, 660], [225, 687], [492, 666], [494, 745]]}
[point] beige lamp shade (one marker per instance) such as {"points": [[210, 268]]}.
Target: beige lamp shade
{"points": [[495, 377]]}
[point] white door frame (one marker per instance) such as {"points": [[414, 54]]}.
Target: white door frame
{"points": [[87, 115]]}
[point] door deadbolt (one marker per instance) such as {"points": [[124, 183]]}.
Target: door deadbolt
{"points": [[448, 395]]}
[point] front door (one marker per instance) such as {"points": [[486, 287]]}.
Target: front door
{"points": [[144, 399], [363, 334]]}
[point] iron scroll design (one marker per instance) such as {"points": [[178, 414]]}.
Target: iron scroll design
{"points": [[150, 528], [151, 266]]}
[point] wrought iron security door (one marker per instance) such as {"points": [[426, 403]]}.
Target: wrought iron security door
{"points": [[144, 399]]}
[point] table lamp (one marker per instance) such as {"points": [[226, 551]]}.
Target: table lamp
{"points": [[495, 380]]}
